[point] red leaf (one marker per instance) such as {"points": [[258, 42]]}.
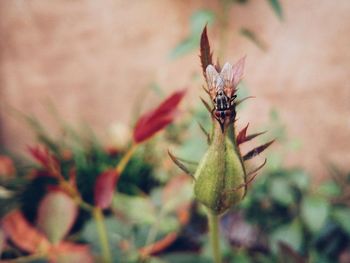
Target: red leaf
{"points": [[238, 69], [206, 55], [157, 119], [24, 235], [242, 135], [46, 159], [104, 188], [159, 245], [56, 214], [7, 168], [67, 252]]}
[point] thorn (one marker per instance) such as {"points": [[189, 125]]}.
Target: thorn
{"points": [[258, 168], [256, 151], [178, 163], [206, 90], [188, 162], [206, 105], [252, 136], [204, 131], [246, 184], [241, 137], [244, 99]]}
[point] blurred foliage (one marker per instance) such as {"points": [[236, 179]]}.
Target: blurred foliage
{"points": [[277, 8], [190, 43], [286, 208], [219, 18], [79, 151], [284, 218], [249, 34]]}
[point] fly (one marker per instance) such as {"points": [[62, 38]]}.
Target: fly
{"points": [[221, 90]]}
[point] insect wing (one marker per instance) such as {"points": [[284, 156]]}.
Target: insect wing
{"points": [[214, 81], [238, 71], [226, 74], [212, 76]]}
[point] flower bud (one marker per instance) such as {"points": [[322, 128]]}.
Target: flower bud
{"points": [[220, 174]]}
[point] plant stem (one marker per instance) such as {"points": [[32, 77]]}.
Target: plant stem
{"points": [[213, 221], [124, 161], [102, 233]]}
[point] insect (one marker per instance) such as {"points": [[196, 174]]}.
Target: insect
{"points": [[221, 90]]}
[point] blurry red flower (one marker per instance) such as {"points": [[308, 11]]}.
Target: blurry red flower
{"points": [[104, 188], [157, 119]]}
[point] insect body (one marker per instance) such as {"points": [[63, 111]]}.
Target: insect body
{"points": [[223, 106], [221, 90]]}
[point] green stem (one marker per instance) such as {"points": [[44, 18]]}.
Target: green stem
{"points": [[102, 233], [124, 161], [213, 221]]}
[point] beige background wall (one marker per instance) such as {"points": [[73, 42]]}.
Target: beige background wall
{"points": [[92, 59]]}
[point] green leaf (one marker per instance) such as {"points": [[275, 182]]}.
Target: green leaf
{"points": [[116, 232], [314, 212], [294, 144], [342, 216], [199, 19], [193, 148], [281, 191], [275, 161], [299, 178], [184, 47], [136, 209], [179, 196], [156, 260], [290, 234], [250, 35], [56, 215], [184, 258], [329, 189], [240, 256], [197, 22], [167, 224], [277, 8]]}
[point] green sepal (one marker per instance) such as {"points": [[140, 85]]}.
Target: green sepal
{"points": [[220, 171]]}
